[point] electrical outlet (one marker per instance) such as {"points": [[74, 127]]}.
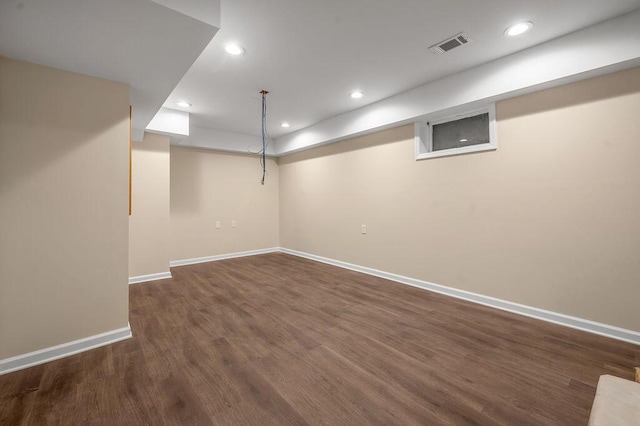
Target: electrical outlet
{"points": [[234, 224], [364, 229], [218, 224]]}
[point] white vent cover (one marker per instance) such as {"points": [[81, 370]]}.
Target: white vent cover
{"points": [[450, 43]]}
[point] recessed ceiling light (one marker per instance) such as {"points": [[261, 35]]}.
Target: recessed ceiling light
{"points": [[284, 124], [184, 104], [463, 140], [234, 49], [519, 28], [356, 94]]}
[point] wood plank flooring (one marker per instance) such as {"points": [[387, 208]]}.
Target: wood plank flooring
{"points": [[279, 340]]}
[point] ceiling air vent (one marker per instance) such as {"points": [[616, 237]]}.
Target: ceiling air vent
{"points": [[450, 43]]}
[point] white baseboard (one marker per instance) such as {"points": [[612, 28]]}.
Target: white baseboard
{"points": [[150, 277], [589, 326], [31, 359], [195, 260]]}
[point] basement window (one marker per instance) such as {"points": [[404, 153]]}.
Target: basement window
{"points": [[470, 131]]}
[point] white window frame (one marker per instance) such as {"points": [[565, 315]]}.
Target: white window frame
{"points": [[424, 135]]}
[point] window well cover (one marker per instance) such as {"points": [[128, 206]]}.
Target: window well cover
{"points": [[459, 133]]}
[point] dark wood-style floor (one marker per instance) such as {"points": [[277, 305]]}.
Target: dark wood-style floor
{"points": [[277, 340]]}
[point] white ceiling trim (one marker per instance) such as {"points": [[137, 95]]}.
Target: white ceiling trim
{"points": [[221, 140], [610, 46]]}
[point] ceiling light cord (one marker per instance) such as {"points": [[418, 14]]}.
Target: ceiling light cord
{"points": [[263, 152]]}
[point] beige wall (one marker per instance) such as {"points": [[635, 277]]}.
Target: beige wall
{"points": [[64, 141], [149, 220], [208, 186], [549, 220]]}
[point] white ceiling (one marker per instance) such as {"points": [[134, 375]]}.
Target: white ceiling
{"points": [[310, 55]]}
